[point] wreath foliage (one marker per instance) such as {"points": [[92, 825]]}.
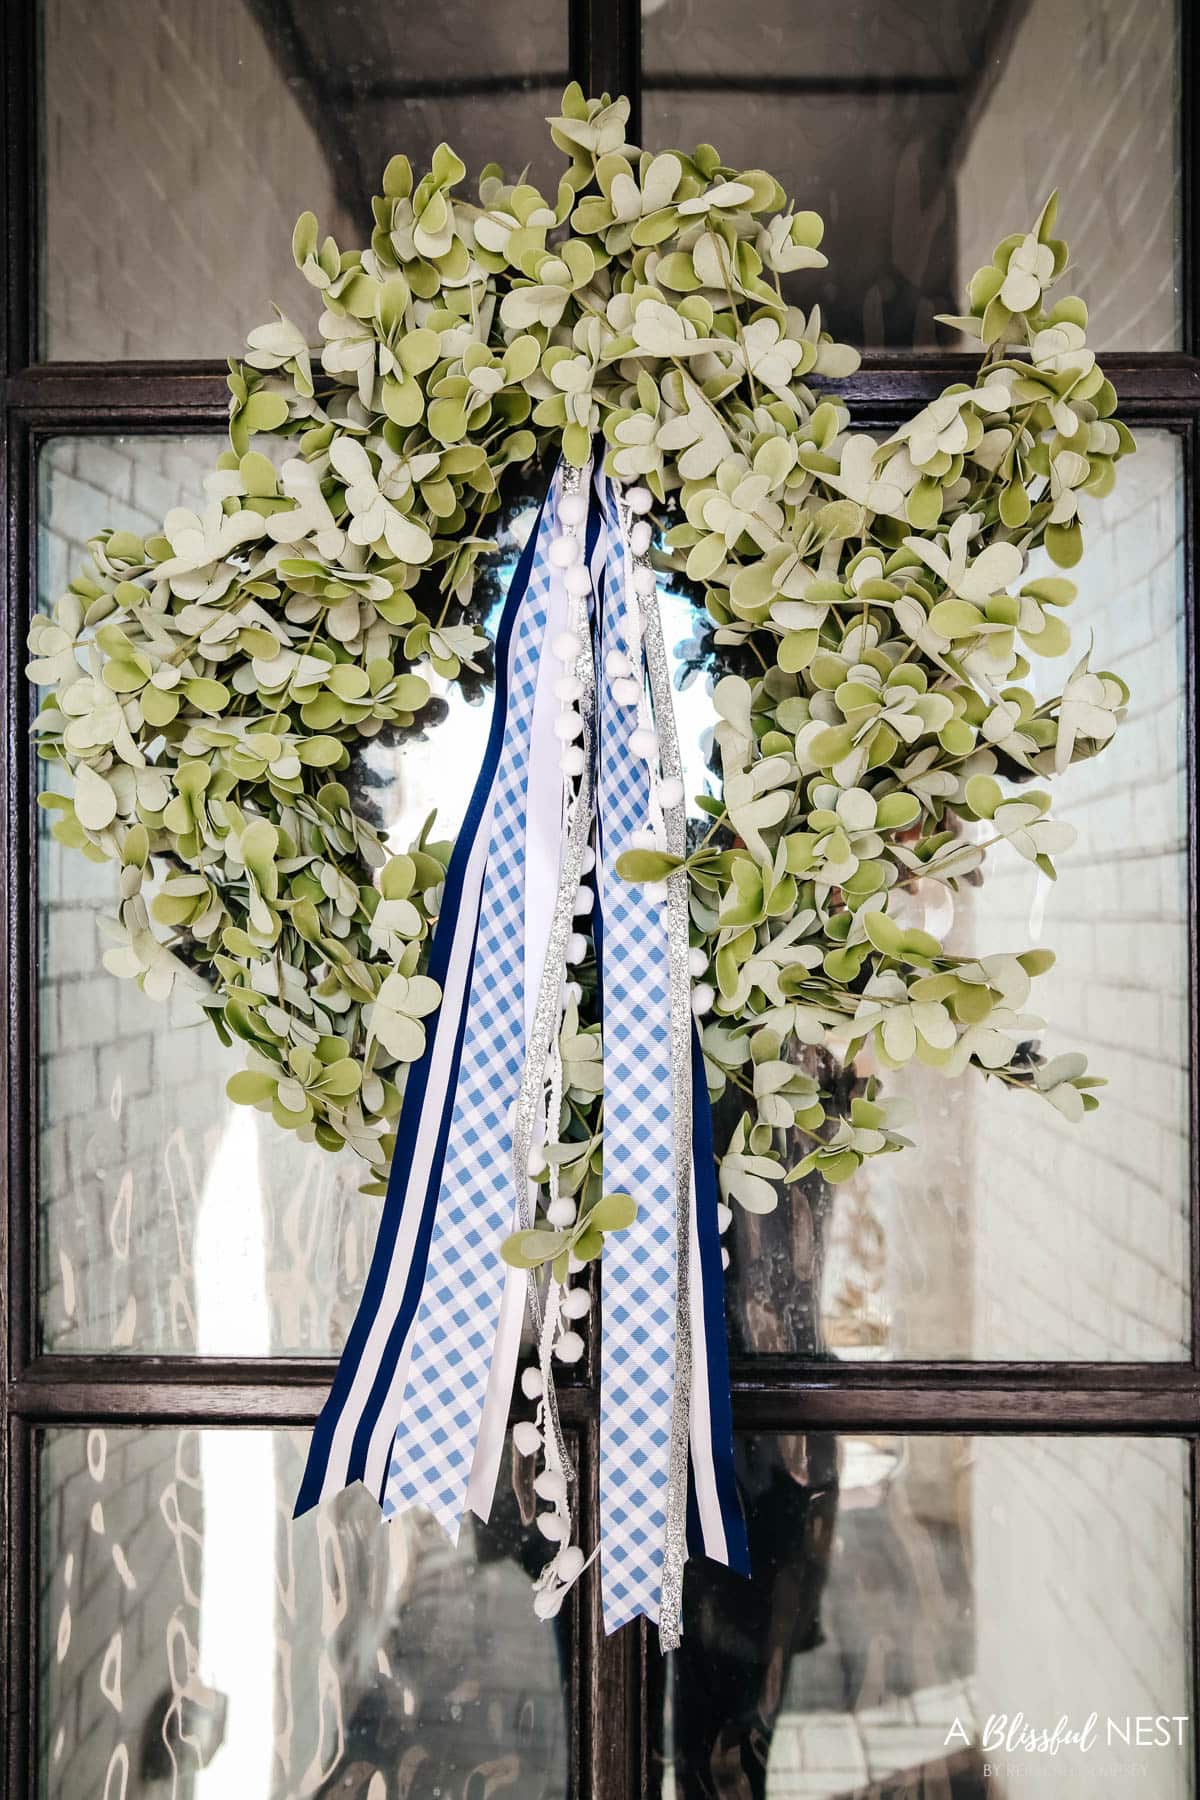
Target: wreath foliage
{"points": [[207, 685]]}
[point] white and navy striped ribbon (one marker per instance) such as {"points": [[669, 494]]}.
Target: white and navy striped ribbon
{"points": [[419, 1404], [354, 1435]]}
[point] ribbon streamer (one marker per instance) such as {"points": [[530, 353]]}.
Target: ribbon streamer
{"points": [[675, 829], [582, 761], [639, 1364], [353, 1436]]}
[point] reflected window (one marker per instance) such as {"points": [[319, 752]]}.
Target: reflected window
{"points": [[172, 1220], [182, 139], [1011, 1234], [923, 131], [197, 1640], [914, 1598]]}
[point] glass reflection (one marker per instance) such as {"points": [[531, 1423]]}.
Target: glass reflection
{"points": [[998, 1238], [172, 1220], [923, 131], [919, 1605], [195, 1640], [182, 139]]}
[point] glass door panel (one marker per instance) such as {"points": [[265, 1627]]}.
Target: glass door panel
{"points": [[949, 1617], [922, 133], [195, 1640]]}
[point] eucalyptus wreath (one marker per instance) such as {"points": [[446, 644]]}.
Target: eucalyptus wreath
{"points": [[871, 603]]}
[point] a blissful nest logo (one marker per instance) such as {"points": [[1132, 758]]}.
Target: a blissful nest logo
{"points": [[1006, 1735]]}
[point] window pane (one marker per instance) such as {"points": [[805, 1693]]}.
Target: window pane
{"points": [[914, 1598], [1008, 1233], [171, 1219], [196, 1640], [923, 131], [182, 139]]}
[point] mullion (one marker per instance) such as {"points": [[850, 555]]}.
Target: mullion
{"points": [[1193, 1597], [1151, 387], [1191, 551], [1189, 177], [20, 1223], [20, 1514], [1160, 1398], [18, 47], [605, 48], [18, 1490]]}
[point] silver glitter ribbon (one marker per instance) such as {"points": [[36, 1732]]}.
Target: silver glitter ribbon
{"points": [[670, 1619]]}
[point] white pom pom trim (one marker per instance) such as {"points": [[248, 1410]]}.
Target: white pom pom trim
{"points": [[527, 1439], [569, 1347], [550, 1485]]}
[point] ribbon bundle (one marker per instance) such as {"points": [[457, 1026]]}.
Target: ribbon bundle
{"points": [[582, 762]]}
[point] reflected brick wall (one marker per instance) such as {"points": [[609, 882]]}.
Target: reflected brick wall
{"points": [[1011, 1233], [1101, 78], [178, 109], [1081, 1559], [119, 1581], [1082, 1248], [126, 1089]]}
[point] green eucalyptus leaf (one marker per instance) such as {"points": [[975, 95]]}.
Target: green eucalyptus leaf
{"points": [[646, 865], [612, 1212]]}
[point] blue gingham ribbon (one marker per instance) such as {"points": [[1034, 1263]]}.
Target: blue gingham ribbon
{"points": [[639, 1268], [407, 1405], [640, 1273]]}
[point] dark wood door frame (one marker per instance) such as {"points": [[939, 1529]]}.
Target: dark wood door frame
{"points": [[41, 401]]}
